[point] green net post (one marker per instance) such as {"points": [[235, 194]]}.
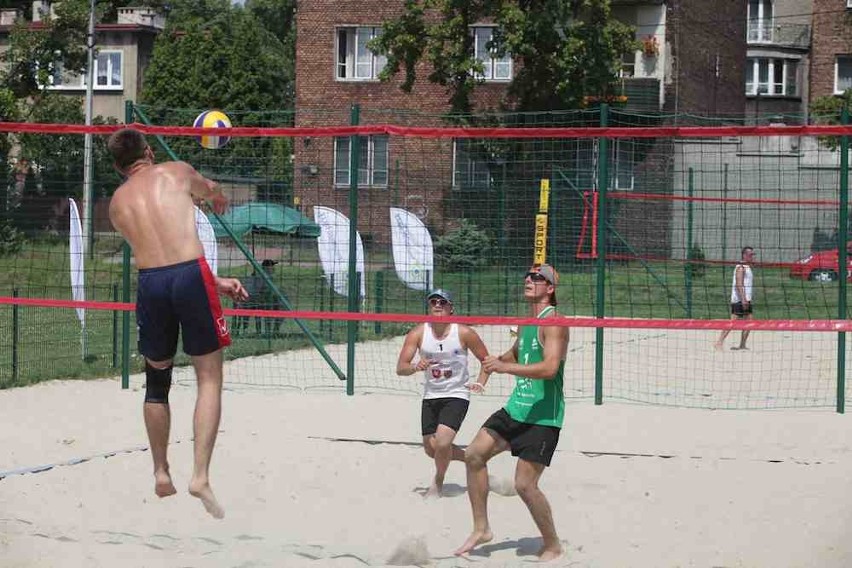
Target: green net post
{"points": [[354, 288], [379, 293], [724, 235], [125, 287], [15, 334], [115, 328], [125, 316], [600, 288], [842, 267], [687, 269]]}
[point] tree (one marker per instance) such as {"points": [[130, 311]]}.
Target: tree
{"points": [[215, 55], [828, 110], [34, 52], [564, 50]]}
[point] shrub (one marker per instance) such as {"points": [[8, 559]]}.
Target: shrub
{"points": [[463, 248]]}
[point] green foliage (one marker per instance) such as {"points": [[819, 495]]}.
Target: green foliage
{"points": [[463, 248], [214, 55], [696, 266], [32, 52], [564, 50], [828, 110]]}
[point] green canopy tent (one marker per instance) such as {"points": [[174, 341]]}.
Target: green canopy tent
{"points": [[265, 217]]}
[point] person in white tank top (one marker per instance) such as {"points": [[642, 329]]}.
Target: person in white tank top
{"points": [[442, 350], [742, 286]]}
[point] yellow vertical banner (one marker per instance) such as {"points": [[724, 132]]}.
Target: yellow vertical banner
{"points": [[540, 237]]}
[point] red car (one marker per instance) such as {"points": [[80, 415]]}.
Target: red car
{"points": [[821, 266]]}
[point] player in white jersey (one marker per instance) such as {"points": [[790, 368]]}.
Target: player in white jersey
{"points": [[742, 286], [443, 349]]}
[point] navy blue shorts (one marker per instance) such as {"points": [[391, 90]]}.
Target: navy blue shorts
{"points": [[181, 296]]}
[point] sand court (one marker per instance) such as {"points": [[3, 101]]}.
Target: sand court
{"points": [[316, 478]]}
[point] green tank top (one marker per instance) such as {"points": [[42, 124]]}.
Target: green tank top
{"points": [[536, 401]]}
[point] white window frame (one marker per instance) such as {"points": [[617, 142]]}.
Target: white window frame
{"points": [[622, 148], [80, 83], [753, 89], [472, 166], [368, 143], [347, 66], [837, 59], [496, 69], [764, 26]]}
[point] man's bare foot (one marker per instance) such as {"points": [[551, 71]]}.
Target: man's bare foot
{"points": [[717, 346], [475, 539], [548, 553], [163, 485], [435, 491], [202, 491]]}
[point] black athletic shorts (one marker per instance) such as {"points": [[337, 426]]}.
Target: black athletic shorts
{"points": [[738, 310], [449, 411], [180, 296], [530, 442]]}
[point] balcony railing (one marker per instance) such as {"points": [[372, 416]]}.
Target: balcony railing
{"points": [[786, 35]]}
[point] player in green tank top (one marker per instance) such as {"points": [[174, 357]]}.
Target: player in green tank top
{"points": [[530, 423], [536, 401]]}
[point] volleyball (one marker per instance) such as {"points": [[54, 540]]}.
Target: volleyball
{"points": [[212, 119]]}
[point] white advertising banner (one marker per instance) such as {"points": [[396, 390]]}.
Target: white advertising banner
{"points": [[412, 249], [333, 244], [77, 258]]}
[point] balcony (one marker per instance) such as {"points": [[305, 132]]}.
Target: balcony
{"points": [[766, 32]]}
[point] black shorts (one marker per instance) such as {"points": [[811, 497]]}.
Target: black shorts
{"points": [[530, 442], [181, 296], [448, 411], [738, 310]]}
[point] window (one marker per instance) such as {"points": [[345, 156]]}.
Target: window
{"points": [[760, 21], [772, 77], [355, 62], [372, 161], [621, 164], [628, 65], [470, 171], [108, 73], [496, 68], [842, 74]]}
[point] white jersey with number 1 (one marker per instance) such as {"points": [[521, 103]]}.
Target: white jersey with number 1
{"points": [[448, 374]]}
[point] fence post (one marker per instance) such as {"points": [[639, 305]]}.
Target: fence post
{"points": [[15, 334], [687, 269], [125, 317], [125, 286], [380, 293], [115, 328], [352, 279], [842, 267], [600, 292]]}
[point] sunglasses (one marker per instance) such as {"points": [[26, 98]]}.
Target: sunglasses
{"points": [[438, 302], [535, 277]]}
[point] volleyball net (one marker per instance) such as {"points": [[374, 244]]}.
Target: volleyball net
{"points": [[644, 220]]}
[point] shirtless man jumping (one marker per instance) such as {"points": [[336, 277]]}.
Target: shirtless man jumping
{"points": [[153, 210]]}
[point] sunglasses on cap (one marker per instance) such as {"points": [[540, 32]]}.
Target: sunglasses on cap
{"points": [[535, 277], [438, 302]]}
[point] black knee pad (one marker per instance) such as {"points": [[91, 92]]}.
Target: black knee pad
{"points": [[157, 384]]}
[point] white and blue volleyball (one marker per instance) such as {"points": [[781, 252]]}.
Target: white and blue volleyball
{"points": [[212, 119]]}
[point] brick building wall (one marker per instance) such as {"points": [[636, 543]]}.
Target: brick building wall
{"points": [[708, 52], [832, 36], [420, 170]]}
